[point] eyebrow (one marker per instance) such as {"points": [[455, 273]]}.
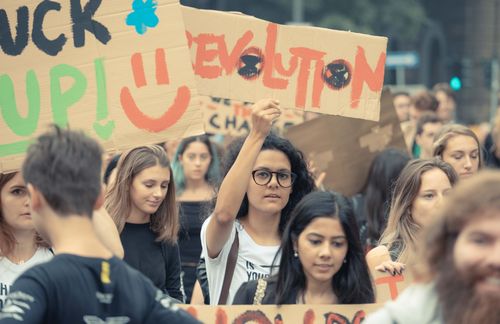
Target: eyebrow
{"points": [[269, 169], [333, 237]]}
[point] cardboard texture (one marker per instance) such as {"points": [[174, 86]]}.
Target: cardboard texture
{"points": [[344, 147], [389, 287], [307, 314], [314, 69], [233, 118], [119, 70]]}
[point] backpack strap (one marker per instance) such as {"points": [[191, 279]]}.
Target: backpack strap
{"points": [[230, 265]]}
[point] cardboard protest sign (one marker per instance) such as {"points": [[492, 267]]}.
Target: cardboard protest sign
{"points": [[119, 70], [389, 287], [344, 147], [307, 314], [233, 118], [314, 69]]}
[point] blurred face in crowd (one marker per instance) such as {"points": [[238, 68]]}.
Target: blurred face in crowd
{"points": [[322, 247], [402, 105], [148, 190], [434, 186], [426, 139], [15, 204], [195, 160], [477, 255], [446, 108], [462, 152], [272, 197]]}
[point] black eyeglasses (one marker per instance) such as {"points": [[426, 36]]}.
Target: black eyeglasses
{"points": [[262, 177]]}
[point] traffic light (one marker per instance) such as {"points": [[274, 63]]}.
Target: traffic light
{"points": [[456, 75]]}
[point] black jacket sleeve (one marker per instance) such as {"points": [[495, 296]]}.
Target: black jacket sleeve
{"points": [[246, 293], [173, 271]]}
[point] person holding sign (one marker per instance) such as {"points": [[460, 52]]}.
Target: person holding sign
{"points": [[460, 147], [322, 260], [84, 282], [196, 169], [267, 176], [459, 281], [419, 190], [141, 201]]}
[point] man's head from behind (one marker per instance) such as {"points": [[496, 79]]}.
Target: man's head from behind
{"points": [[462, 251], [63, 167]]}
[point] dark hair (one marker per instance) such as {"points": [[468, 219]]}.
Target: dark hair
{"points": [[110, 167], [445, 88], [352, 283], [400, 93], [427, 118], [304, 183], [383, 173], [65, 166], [425, 101], [213, 172]]}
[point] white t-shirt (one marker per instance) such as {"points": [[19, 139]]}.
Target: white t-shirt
{"points": [[9, 271], [254, 261]]}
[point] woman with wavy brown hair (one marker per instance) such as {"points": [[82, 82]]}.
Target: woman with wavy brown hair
{"points": [[418, 192], [20, 246], [141, 201]]}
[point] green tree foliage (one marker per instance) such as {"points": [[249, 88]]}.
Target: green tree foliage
{"points": [[400, 20]]}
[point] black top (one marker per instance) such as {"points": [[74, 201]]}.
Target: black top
{"points": [[74, 289], [159, 261], [245, 294], [191, 217]]}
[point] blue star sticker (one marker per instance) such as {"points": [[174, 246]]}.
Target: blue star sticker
{"points": [[143, 16]]}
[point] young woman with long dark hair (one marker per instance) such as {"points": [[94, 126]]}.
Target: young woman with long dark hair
{"points": [[322, 260]]}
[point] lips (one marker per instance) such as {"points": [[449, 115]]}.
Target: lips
{"points": [[275, 196], [324, 267]]}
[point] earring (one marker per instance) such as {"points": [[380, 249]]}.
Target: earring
{"points": [[345, 260], [295, 254]]}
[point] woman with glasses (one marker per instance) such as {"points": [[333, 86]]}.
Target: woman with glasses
{"points": [[265, 177]]}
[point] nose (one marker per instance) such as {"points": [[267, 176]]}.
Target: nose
{"points": [[493, 258], [439, 200], [157, 191], [468, 163], [197, 161], [274, 181], [325, 251]]}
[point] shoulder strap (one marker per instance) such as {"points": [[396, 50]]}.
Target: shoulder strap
{"points": [[230, 265], [260, 292]]}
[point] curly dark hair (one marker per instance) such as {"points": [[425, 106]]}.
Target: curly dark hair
{"points": [[304, 183]]}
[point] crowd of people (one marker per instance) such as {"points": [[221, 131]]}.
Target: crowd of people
{"points": [[193, 223]]}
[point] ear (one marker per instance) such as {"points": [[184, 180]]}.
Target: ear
{"points": [[418, 139], [295, 245], [100, 199], [35, 197]]}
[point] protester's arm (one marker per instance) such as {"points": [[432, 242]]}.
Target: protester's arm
{"points": [[107, 232], [379, 259], [26, 302], [234, 186], [173, 271]]}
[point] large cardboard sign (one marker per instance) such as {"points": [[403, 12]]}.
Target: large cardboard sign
{"points": [[344, 147], [118, 69], [314, 69], [233, 118], [267, 314]]}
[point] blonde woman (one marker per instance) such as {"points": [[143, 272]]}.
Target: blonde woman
{"points": [[460, 147], [141, 201], [419, 190]]}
